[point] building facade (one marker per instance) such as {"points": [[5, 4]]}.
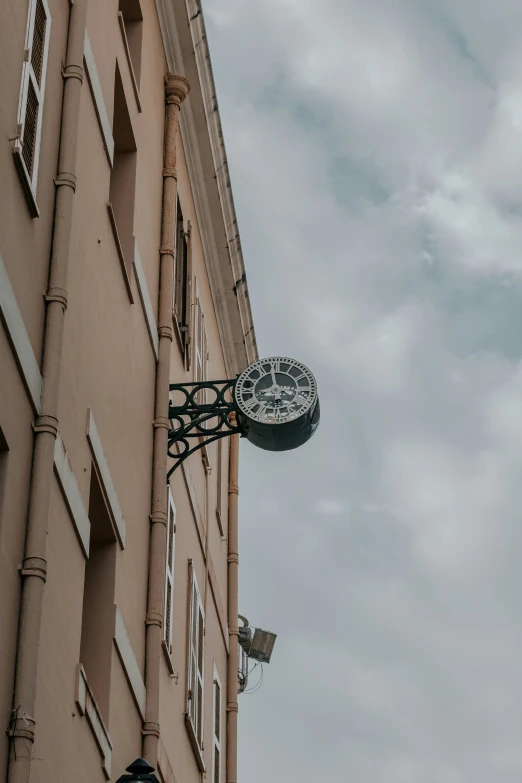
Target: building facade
{"points": [[120, 272]]}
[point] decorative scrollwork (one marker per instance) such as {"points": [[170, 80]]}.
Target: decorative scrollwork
{"points": [[203, 412]]}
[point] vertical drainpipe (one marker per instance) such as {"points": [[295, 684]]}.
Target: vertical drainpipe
{"points": [[233, 609], [34, 568], [176, 90]]}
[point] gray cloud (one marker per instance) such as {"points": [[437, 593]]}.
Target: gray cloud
{"points": [[375, 157]]}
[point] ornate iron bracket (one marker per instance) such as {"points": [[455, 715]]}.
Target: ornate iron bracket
{"points": [[201, 412]]}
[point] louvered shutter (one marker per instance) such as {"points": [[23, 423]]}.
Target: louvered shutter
{"points": [[199, 727], [32, 89], [169, 573], [196, 663]]}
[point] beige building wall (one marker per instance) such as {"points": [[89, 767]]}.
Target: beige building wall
{"points": [[95, 596]]}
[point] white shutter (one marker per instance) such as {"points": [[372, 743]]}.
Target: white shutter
{"points": [[198, 339], [217, 728], [200, 348], [204, 348], [169, 572], [196, 662], [32, 90]]}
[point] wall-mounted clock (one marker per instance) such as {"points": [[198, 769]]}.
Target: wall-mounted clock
{"points": [[277, 403]]}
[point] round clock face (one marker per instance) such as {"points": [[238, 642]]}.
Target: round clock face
{"points": [[275, 390]]}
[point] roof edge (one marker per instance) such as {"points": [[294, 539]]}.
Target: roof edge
{"points": [[225, 267]]}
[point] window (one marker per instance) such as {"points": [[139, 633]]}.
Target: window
{"points": [[217, 729], [201, 369], [30, 108], [200, 347], [169, 573], [98, 599], [131, 24], [182, 277], [123, 180], [195, 695]]}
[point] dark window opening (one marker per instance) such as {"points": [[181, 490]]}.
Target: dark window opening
{"points": [[98, 599], [181, 283], [133, 24], [123, 177]]}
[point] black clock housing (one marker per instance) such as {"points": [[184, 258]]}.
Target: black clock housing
{"points": [[277, 403]]}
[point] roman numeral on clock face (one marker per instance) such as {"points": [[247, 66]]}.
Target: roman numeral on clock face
{"points": [[250, 404], [275, 390]]}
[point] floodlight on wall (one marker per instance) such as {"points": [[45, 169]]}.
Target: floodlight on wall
{"points": [[262, 645], [259, 646]]}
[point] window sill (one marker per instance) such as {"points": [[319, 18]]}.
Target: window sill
{"points": [[87, 706], [168, 659], [129, 60], [198, 755], [119, 248], [178, 335], [25, 180], [220, 522]]}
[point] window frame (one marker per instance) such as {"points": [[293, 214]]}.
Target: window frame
{"points": [[30, 180], [169, 573], [201, 361], [195, 708]]}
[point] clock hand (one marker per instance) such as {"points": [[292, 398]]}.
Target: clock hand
{"points": [[273, 375]]}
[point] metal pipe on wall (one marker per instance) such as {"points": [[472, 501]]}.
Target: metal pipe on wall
{"points": [[233, 609], [34, 568], [176, 90]]}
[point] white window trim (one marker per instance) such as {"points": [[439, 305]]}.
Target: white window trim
{"points": [[143, 291], [169, 571], [31, 181], [13, 320], [134, 80], [200, 342], [99, 103], [87, 706], [196, 606], [72, 495], [105, 476], [129, 663], [216, 741]]}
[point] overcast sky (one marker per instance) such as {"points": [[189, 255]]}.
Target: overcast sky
{"points": [[375, 149]]}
